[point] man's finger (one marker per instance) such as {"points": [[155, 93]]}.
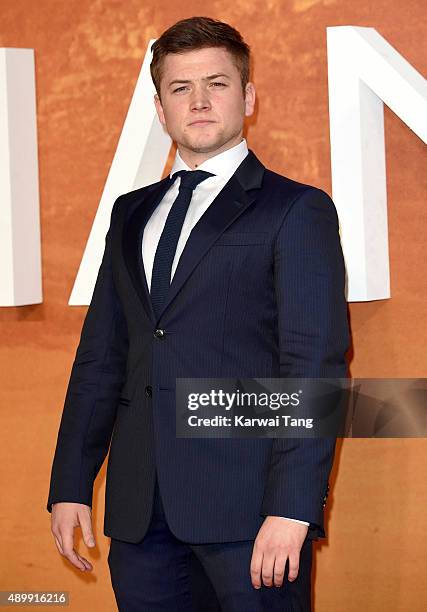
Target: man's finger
{"points": [[88, 565], [58, 545], [86, 527], [255, 569], [69, 552], [267, 569], [279, 570], [293, 565]]}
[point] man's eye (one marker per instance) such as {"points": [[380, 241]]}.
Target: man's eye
{"points": [[178, 89]]}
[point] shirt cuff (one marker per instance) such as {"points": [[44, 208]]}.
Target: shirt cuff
{"points": [[296, 520]]}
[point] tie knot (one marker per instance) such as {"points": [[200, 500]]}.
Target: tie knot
{"points": [[191, 178]]}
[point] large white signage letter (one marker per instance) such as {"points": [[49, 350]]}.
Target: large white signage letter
{"points": [[364, 71], [20, 258], [139, 160]]}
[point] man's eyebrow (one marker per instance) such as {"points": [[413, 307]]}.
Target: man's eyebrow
{"points": [[208, 78]]}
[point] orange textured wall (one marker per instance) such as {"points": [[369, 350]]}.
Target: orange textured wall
{"points": [[88, 56]]}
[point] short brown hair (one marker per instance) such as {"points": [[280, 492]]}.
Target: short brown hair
{"points": [[197, 33]]}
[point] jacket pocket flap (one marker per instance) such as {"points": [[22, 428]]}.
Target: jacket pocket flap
{"points": [[242, 238]]}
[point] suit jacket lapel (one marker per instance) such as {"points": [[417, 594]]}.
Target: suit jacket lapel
{"points": [[132, 240], [231, 202], [233, 199]]}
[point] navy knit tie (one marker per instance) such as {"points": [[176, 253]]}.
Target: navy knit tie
{"points": [[166, 248]]}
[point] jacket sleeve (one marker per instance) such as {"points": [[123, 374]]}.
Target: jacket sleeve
{"points": [[309, 275], [97, 376]]}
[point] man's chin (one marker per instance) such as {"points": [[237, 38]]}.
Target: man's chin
{"points": [[204, 145]]}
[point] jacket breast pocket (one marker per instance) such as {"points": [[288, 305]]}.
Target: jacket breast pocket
{"points": [[241, 238]]}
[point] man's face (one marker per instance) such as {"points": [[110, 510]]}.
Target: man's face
{"points": [[203, 106]]}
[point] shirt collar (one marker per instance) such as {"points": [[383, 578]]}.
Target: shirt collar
{"points": [[223, 164]]}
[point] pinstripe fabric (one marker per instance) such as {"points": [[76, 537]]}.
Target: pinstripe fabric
{"points": [[157, 574], [258, 292]]}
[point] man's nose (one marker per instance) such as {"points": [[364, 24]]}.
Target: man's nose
{"points": [[200, 99]]}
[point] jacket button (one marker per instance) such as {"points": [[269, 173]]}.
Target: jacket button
{"points": [[148, 391], [159, 333]]}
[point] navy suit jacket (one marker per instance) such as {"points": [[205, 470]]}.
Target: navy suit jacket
{"points": [[258, 292]]}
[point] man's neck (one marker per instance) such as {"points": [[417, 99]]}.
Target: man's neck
{"points": [[193, 159]]}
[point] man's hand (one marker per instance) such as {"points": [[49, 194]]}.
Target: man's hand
{"points": [[278, 540], [65, 517]]}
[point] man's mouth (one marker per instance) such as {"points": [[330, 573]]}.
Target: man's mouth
{"points": [[201, 122]]}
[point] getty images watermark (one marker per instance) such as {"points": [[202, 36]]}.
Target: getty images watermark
{"points": [[300, 407], [243, 399]]}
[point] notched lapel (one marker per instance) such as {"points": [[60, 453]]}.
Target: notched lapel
{"points": [[235, 197], [132, 240]]}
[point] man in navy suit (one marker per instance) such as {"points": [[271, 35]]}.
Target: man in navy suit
{"points": [[222, 269]]}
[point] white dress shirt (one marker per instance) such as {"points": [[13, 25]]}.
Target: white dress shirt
{"points": [[223, 166]]}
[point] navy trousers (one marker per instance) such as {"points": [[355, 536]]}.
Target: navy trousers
{"points": [[163, 574]]}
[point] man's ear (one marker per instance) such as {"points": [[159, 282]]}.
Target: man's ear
{"points": [[249, 99], [159, 109]]}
